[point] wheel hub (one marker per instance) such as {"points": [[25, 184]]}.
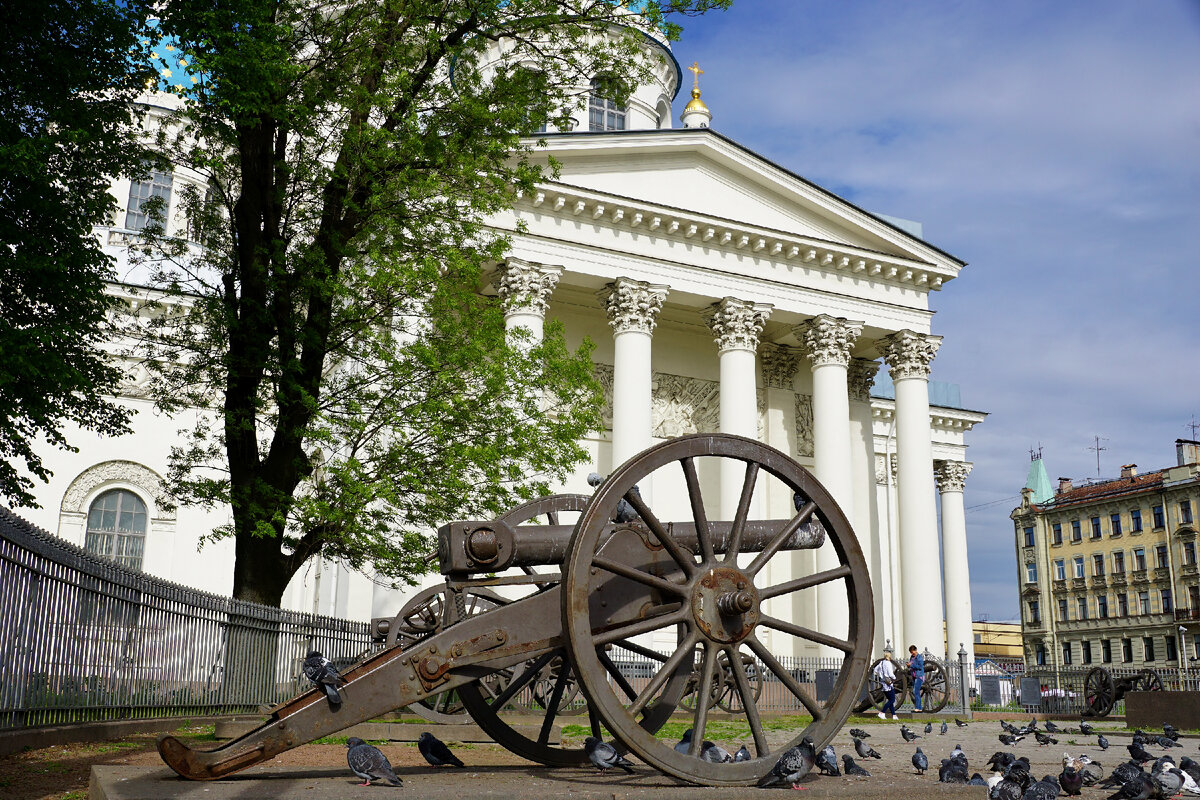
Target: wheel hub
{"points": [[725, 605]]}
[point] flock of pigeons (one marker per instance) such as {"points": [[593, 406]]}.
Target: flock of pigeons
{"points": [[1011, 778]]}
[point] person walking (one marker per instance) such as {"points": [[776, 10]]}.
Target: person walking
{"points": [[885, 674], [916, 668]]}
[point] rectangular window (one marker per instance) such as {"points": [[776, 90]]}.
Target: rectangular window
{"points": [[1102, 606], [1172, 652], [1098, 565], [1062, 610], [1168, 604], [1196, 645], [1087, 652], [1034, 611], [1039, 654], [1115, 522], [1189, 553], [604, 114], [1057, 528], [1122, 604], [1029, 536], [1185, 512], [1148, 648], [1159, 522], [1194, 598], [1143, 602], [1135, 520], [1139, 558], [156, 184], [1081, 607], [1160, 556], [1066, 653], [1119, 563], [1106, 651], [1076, 531], [1078, 573], [1096, 528], [1031, 572], [1127, 650], [1060, 570]]}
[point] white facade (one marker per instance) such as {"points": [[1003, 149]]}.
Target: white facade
{"points": [[724, 294]]}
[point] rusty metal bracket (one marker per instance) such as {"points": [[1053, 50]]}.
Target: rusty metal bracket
{"points": [[433, 667]]}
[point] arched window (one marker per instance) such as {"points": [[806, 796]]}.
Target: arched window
{"points": [[116, 528], [155, 185], [604, 114]]}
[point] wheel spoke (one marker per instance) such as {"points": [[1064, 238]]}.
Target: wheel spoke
{"points": [[698, 514], [645, 652], [806, 633], [778, 539], [678, 613], [552, 707], [743, 511], [635, 574], [785, 677], [686, 648], [594, 722], [518, 683], [682, 557], [615, 673], [703, 699], [807, 582], [748, 704]]}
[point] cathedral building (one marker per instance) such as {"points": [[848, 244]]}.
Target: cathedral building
{"points": [[724, 293]]}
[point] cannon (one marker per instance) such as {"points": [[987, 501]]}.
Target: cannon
{"points": [[1102, 691], [935, 691], [678, 588]]}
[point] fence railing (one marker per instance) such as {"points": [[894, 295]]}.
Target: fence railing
{"points": [[83, 639]]}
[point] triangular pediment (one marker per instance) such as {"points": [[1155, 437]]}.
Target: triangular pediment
{"points": [[702, 172]]}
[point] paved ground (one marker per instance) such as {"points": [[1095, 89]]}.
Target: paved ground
{"points": [[320, 771]]}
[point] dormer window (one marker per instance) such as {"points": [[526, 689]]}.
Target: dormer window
{"points": [[604, 114]]}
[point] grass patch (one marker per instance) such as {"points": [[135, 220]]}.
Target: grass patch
{"points": [[116, 747], [76, 795], [343, 739], [198, 733], [715, 729]]}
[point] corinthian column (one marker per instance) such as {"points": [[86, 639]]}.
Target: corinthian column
{"points": [[908, 355], [736, 325], [865, 501], [632, 308], [524, 290], [827, 341], [951, 475]]}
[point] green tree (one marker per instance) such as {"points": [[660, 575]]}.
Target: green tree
{"points": [[351, 154], [69, 69]]}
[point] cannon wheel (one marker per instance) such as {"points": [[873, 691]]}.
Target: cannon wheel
{"points": [[878, 698], [550, 675], [686, 590], [728, 698], [935, 691], [1099, 692], [1148, 680]]}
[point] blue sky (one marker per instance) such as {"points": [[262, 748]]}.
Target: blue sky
{"points": [[1055, 146]]}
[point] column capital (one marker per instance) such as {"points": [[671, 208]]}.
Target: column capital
{"points": [[779, 364], [860, 378], [524, 285], [951, 475], [909, 354], [632, 305], [827, 340], [736, 324]]}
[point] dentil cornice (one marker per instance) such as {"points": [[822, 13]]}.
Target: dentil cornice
{"points": [[827, 340], [909, 354], [736, 324], [525, 285], [951, 475], [632, 305]]}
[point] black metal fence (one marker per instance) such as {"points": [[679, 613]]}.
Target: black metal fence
{"points": [[83, 639]]}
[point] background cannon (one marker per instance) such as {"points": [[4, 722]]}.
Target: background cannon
{"points": [[1102, 691], [705, 586]]}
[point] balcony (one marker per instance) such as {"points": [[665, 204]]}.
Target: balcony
{"points": [[1139, 576], [1162, 574], [1187, 613], [1034, 624], [1118, 579], [1059, 586], [1078, 583], [1099, 581], [1189, 569]]}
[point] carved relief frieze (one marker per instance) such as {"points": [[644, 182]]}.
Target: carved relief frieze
{"points": [[681, 405], [123, 472], [804, 425]]}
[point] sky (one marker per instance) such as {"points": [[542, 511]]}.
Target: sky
{"points": [[1055, 147]]}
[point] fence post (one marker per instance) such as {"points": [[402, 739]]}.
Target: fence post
{"points": [[964, 695]]}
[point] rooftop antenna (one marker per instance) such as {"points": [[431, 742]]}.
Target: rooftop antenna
{"points": [[1036, 455], [1194, 425], [1098, 448]]}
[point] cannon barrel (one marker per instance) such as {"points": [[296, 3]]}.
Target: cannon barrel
{"points": [[471, 546]]}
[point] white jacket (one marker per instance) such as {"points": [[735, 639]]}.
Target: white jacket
{"points": [[885, 673]]}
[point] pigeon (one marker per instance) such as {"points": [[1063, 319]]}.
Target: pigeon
{"points": [[1121, 775], [1189, 784], [1009, 728], [1019, 772], [714, 753], [928, 728], [1136, 753], [977, 780], [1170, 732], [1102, 742], [1009, 740], [1161, 764], [1090, 772], [369, 763], [742, 754], [945, 728], [1165, 742], [865, 750], [1051, 727], [793, 765], [324, 676], [1170, 781], [1043, 739], [1005, 789], [957, 752], [685, 744], [851, 768], [1000, 761], [604, 755], [625, 512], [436, 752], [827, 761], [1141, 787], [953, 770], [1190, 767], [1085, 728], [958, 722], [920, 761], [1045, 789], [1070, 780], [859, 733], [908, 735]]}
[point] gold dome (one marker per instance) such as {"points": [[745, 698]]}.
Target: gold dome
{"points": [[696, 104]]}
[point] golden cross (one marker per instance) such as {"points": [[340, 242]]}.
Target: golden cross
{"points": [[696, 73]]}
